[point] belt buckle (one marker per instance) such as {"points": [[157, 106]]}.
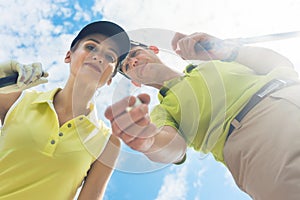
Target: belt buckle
{"points": [[274, 85], [283, 82]]}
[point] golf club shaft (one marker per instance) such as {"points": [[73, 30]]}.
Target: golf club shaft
{"points": [[8, 80], [12, 79], [205, 46], [199, 46]]}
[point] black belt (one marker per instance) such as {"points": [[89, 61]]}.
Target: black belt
{"points": [[267, 89]]}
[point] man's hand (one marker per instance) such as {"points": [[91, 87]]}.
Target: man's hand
{"points": [[132, 125], [209, 47], [28, 75]]}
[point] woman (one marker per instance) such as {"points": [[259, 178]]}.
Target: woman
{"points": [[51, 141]]}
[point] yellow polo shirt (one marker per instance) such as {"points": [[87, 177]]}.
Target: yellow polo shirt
{"points": [[39, 159], [202, 103]]}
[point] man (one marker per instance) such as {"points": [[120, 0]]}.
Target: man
{"points": [[242, 105]]}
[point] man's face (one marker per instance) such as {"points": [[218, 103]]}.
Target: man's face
{"points": [[140, 64]]}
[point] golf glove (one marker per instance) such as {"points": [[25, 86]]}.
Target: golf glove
{"points": [[29, 75]]}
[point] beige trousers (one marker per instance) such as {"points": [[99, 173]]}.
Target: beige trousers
{"points": [[263, 154]]}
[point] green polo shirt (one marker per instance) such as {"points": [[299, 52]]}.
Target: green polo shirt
{"points": [[40, 159], [202, 103]]}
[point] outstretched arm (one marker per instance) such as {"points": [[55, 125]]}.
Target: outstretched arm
{"points": [[163, 145], [168, 146], [261, 60]]}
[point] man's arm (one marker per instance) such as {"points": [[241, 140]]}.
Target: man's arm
{"points": [[163, 145], [261, 60], [168, 146], [98, 177]]}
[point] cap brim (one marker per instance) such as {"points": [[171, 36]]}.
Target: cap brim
{"points": [[109, 29]]}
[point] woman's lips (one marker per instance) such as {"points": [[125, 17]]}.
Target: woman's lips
{"points": [[94, 67]]}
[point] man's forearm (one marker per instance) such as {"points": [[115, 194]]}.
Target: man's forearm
{"points": [[261, 60], [168, 146]]}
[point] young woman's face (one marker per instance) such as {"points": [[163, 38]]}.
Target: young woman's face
{"points": [[142, 65], [94, 59]]}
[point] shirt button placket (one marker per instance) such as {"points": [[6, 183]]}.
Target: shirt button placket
{"points": [[51, 146]]}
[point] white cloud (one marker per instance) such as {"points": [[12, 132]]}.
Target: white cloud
{"points": [[197, 181], [81, 14], [174, 186], [27, 30], [184, 181], [225, 18], [229, 179], [29, 34]]}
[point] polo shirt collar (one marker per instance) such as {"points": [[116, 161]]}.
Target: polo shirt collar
{"points": [[47, 97]]}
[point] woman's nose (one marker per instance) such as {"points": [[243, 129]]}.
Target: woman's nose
{"points": [[97, 58]]}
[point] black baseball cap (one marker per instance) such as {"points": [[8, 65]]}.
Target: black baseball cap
{"points": [[109, 29]]}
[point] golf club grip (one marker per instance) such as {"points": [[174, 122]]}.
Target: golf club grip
{"points": [[9, 80], [203, 46]]}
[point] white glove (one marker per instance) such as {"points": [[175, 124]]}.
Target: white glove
{"points": [[28, 75]]}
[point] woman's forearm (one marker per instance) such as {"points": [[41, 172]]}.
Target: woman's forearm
{"points": [[100, 172]]}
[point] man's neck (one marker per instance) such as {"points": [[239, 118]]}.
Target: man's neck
{"points": [[163, 77]]}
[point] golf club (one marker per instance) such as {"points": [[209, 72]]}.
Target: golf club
{"points": [[206, 45], [200, 46], [12, 79]]}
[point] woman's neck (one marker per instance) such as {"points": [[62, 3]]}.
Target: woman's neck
{"points": [[73, 100]]}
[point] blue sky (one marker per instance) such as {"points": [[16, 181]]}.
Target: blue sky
{"points": [[41, 30]]}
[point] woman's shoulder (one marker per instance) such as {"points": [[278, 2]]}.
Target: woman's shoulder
{"points": [[40, 96]]}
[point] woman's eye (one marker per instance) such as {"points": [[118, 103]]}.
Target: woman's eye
{"points": [[90, 47], [126, 67], [110, 58]]}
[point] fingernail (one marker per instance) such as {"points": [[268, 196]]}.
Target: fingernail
{"points": [[144, 108], [137, 102]]}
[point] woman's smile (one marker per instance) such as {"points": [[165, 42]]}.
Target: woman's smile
{"points": [[94, 67]]}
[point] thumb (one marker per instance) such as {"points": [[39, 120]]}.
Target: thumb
{"points": [[175, 40], [145, 98]]}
